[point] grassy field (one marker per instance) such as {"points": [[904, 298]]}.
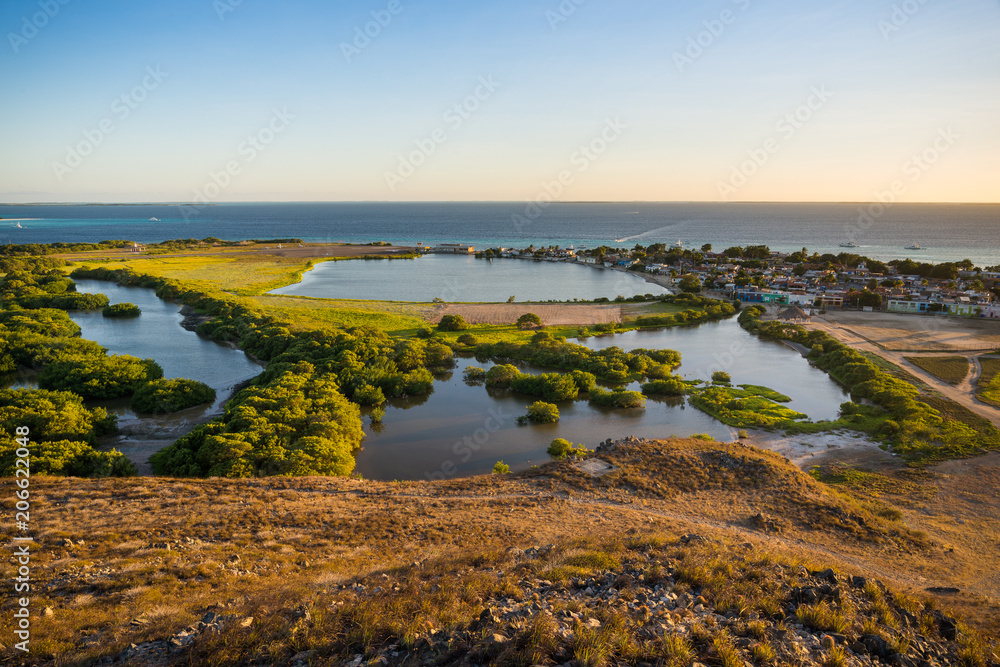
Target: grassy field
{"points": [[228, 272], [131, 561], [989, 381], [950, 369], [395, 318]]}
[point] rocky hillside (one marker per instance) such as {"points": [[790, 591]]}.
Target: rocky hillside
{"points": [[658, 552], [647, 601]]}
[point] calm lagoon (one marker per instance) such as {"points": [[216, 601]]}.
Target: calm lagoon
{"points": [[464, 279]]}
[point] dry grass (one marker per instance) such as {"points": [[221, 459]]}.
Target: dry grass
{"points": [[257, 544], [988, 384], [551, 313], [950, 369]]}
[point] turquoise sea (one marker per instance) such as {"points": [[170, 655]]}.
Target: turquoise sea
{"points": [[945, 232]]}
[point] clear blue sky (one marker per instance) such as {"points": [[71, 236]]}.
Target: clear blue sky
{"points": [[891, 86]]}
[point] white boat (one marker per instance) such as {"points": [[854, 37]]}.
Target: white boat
{"points": [[679, 244], [154, 219], [849, 244], [915, 246]]}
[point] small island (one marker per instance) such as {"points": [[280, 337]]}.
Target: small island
{"points": [[121, 310]]}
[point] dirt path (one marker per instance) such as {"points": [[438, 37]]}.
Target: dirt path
{"points": [[551, 313], [964, 394]]}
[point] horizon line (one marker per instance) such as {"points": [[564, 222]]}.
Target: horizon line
{"points": [[485, 201]]}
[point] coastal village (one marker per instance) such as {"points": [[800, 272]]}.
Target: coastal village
{"points": [[756, 274]]}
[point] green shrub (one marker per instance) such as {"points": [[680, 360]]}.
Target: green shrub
{"points": [[474, 374], [721, 377], [468, 339], [452, 323], [122, 310], [366, 394], [619, 398], [672, 386], [561, 448], [500, 468], [99, 377], [529, 320], [541, 412], [501, 375], [160, 396]]}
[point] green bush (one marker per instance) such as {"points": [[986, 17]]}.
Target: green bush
{"points": [[619, 398], [160, 396], [721, 377], [501, 375], [541, 412], [474, 374], [368, 395], [529, 320], [122, 310], [297, 424], [561, 448], [672, 386], [500, 468], [452, 323], [115, 376]]}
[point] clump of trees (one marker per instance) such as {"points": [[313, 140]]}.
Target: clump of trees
{"points": [[117, 376], [561, 448], [297, 424], [617, 398], [63, 432], [529, 321], [610, 364], [452, 323], [540, 412], [122, 310], [163, 396]]}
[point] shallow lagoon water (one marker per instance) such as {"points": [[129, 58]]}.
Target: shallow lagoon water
{"points": [[462, 279], [158, 334], [461, 430]]}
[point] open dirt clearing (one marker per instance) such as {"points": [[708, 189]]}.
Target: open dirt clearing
{"points": [[894, 331], [551, 313]]}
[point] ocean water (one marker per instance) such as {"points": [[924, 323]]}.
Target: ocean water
{"points": [[946, 232]]}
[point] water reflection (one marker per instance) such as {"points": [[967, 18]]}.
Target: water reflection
{"points": [[454, 279], [462, 429], [158, 334]]}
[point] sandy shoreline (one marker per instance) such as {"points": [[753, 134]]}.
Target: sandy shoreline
{"points": [[808, 450]]}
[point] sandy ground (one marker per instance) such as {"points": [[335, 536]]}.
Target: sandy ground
{"points": [[808, 450], [551, 313], [951, 329], [895, 331]]}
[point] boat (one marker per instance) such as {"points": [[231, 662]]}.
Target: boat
{"points": [[154, 219], [915, 246], [679, 244], [849, 244]]}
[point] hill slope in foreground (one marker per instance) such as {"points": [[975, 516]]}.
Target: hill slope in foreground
{"points": [[688, 551]]}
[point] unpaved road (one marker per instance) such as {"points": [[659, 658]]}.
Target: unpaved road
{"points": [[963, 394]]}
